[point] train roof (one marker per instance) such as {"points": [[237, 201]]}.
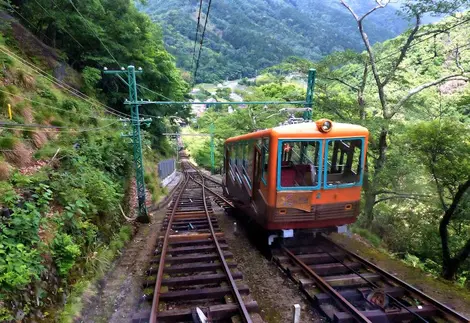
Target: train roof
{"points": [[306, 130]]}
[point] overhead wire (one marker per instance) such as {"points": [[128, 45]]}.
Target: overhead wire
{"points": [[52, 79], [96, 35], [61, 84], [202, 40], [63, 29], [25, 19], [52, 107], [197, 33], [109, 52], [35, 127], [156, 93], [94, 32]]}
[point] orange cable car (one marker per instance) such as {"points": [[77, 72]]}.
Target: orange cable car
{"points": [[297, 177]]}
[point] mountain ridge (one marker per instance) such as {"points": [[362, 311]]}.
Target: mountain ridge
{"points": [[244, 37]]}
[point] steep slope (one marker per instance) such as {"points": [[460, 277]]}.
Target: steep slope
{"points": [[245, 36], [64, 171]]}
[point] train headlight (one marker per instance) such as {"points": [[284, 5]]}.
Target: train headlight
{"points": [[324, 125]]}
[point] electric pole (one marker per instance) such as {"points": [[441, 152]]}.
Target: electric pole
{"points": [[136, 138], [310, 90], [212, 149]]}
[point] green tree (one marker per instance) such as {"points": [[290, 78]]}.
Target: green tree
{"points": [[444, 146], [386, 73], [104, 33]]}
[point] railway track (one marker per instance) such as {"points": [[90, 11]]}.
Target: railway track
{"points": [[349, 288], [196, 276]]}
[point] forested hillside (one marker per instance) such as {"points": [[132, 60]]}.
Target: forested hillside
{"points": [[412, 93], [246, 36], [65, 170], [91, 35]]}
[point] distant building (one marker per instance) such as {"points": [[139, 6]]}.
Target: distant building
{"points": [[198, 109]]}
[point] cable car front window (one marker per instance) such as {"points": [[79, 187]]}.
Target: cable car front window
{"points": [[344, 162], [299, 163]]}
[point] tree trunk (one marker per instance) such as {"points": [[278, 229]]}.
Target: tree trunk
{"points": [[449, 270], [451, 265], [370, 186], [369, 207], [360, 93]]}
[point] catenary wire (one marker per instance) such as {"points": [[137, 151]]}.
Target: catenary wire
{"points": [[202, 39], [54, 108], [33, 127], [29, 22], [96, 35], [61, 84], [197, 33], [64, 29]]}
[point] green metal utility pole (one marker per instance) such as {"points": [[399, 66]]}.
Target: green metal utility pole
{"points": [[136, 139], [212, 149], [177, 147], [310, 91]]}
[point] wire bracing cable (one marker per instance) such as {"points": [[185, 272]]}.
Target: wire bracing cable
{"points": [[202, 39]]}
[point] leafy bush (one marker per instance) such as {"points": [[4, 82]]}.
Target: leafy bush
{"points": [[65, 252], [57, 123], [20, 256], [8, 196], [91, 77], [8, 142], [85, 183], [369, 236], [48, 94]]}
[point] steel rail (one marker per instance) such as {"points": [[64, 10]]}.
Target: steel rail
{"points": [[212, 192], [374, 285], [241, 304], [325, 287], [169, 197], [161, 265], [206, 176], [441, 307], [211, 179]]}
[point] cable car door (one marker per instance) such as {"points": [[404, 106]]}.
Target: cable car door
{"points": [[256, 173]]}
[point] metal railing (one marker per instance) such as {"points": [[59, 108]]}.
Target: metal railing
{"points": [[166, 168]]}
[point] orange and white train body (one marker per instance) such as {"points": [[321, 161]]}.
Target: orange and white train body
{"points": [[300, 176]]}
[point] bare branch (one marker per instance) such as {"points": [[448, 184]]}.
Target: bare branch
{"points": [[403, 51], [430, 32], [400, 196], [350, 10], [375, 72], [440, 190], [422, 87], [379, 6], [457, 59], [445, 222], [364, 77], [343, 82]]}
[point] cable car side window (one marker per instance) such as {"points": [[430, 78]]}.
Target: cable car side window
{"points": [[233, 154], [265, 159], [299, 165], [249, 161], [344, 162]]}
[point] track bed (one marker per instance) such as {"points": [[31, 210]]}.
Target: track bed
{"points": [[348, 288], [193, 274]]}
